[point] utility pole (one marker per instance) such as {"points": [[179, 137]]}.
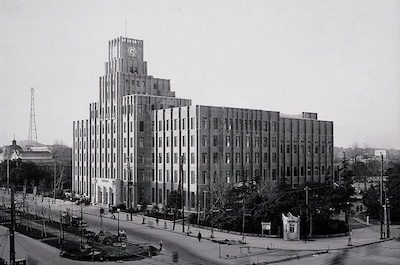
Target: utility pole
{"points": [[308, 213], [181, 192], [129, 187], [12, 236], [381, 198]]}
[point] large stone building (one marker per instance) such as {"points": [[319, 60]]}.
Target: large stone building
{"points": [[141, 142]]}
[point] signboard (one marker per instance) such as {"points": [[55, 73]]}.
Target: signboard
{"points": [[266, 225], [380, 152]]}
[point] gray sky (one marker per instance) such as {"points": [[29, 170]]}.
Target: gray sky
{"points": [[337, 58]]}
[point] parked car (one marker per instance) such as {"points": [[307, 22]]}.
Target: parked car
{"points": [[77, 221]]}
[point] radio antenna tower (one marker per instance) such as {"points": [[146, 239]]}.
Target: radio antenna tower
{"points": [[32, 137]]}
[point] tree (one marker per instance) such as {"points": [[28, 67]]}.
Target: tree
{"points": [[371, 199], [21, 171], [393, 191], [63, 164], [346, 177]]}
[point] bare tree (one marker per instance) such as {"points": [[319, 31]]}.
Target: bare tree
{"points": [[63, 163]]}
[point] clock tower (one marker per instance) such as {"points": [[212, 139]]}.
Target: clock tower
{"points": [[126, 55]]}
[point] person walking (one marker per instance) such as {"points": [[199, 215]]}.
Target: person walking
{"points": [[199, 236], [157, 221], [160, 245]]}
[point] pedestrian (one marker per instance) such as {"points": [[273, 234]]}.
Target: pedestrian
{"points": [[199, 236], [160, 245], [157, 221]]}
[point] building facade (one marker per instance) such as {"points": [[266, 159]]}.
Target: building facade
{"points": [[113, 150], [141, 142], [206, 147]]}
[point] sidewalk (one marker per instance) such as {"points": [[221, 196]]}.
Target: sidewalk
{"points": [[229, 246], [361, 236]]}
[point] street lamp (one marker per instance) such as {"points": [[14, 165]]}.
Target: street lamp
{"points": [[349, 243], [205, 202], [118, 210]]}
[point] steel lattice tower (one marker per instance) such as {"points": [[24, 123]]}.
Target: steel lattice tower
{"points": [[32, 137]]}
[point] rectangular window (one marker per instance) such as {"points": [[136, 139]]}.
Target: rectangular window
{"points": [[273, 141], [192, 177], [237, 158], [316, 170], [192, 140], [141, 126], [191, 123], [256, 158], [316, 149], [323, 149], [215, 123], [141, 142], [273, 157], [288, 173], [215, 158], [265, 158], [204, 158], [159, 158], [204, 123], [175, 141], [309, 170], [205, 177], [183, 124], [301, 171], [167, 158], [167, 141], [265, 142], [160, 175], [247, 141], [204, 140], [159, 141], [192, 158], [265, 126], [288, 148], [183, 140], [215, 140], [247, 157], [228, 140], [274, 126], [228, 158], [295, 148], [274, 174], [257, 141], [237, 141], [175, 177], [175, 158]]}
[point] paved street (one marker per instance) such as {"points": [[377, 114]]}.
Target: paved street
{"points": [[211, 250]]}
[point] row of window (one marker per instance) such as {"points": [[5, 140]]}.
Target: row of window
{"points": [[240, 124], [176, 124]]}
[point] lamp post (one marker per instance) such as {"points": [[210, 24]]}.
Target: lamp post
{"points": [[181, 160], [205, 202], [129, 187], [349, 243], [381, 198], [118, 210]]}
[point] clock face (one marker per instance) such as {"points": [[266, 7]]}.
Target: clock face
{"points": [[132, 51]]}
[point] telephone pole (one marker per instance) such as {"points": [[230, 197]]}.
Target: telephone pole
{"points": [[12, 236]]}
